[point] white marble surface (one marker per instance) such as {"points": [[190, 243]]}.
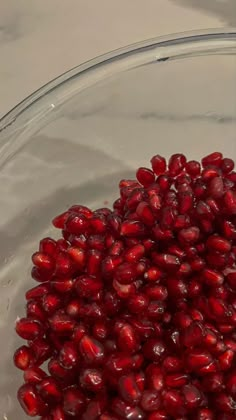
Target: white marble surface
{"points": [[41, 39]]}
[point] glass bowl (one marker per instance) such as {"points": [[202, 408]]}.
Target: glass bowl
{"points": [[74, 139]]}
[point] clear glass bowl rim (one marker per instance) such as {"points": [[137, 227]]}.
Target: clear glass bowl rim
{"points": [[176, 39]]}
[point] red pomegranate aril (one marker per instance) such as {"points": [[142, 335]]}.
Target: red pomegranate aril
{"points": [[62, 324], [231, 383], [50, 390], [145, 214], [230, 202], [59, 221], [150, 401], [50, 303], [173, 402], [153, 274], [194, 334], [137, 303], [34, 310], [176, 164], [128, 389], [23, 358], [92, 380], [166, 261], [41, 275], [212, 159], [31, 401], [176, 380], [43, 261], [76, 223], [125, 273], [78, 256], [34, 375], [91, 350], [214, 382], [193, 168], [185, 201], [226, 360], [37, 292], [41, 349], [145, 176], [57, 413], [212, 277], [74, 401], [132, 228], [87, 286], [189, 235], [68, 356], [127, 339], [126, 411], [158, 164], [192, 397], [204, 414], [29, 328], [225, 403], [227, 165], [154, 350], [47, 246], [197, 359], [124, 291], [218, 243]]}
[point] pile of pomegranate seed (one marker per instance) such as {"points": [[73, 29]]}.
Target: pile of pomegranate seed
{"points": [[135, 310]]}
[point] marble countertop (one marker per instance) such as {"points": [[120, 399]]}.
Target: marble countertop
{"points": [[41, 39]]}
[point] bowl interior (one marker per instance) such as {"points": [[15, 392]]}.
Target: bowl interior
{"points": [[86, 131]]}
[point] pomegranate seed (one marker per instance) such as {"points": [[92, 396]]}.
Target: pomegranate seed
{"points": [[194, 334], [91, 350], [34, 310], [29, 328], [128, 389], [144, 213], [212, 159], [173, 403], [158, 164], [150, 401], [41, 350], [196, 359], [30, 400], [193, 168], [127, 339], [132, 228], [57, 413], [37, 292], [176, 380], [230, 202], [62, 324], [23, 358], [74, 401], [92, 380], [176, 164], [68, 356], [154, 350], [59, 221], [212, 277], [227, 165], [145, 176], [50, 390], [192, 397], [123, 410], [87, 286]]}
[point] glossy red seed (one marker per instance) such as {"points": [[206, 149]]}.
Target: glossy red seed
{"points": [[158, 164], [49, 389], [132, 228], [125, 410], [173, 403], [91, 380], [193, 168], [176, 380], [197, 359], [192, 397], [128, 389], [212, 277], [59, 221], [150, 401], [145, 176], [31, 401], [230, 202], [212, 159], [227, 165], [68, 356], [29, 328], [87, 286], [194, 334], [145, 214], [91, 350], [154, 350], [127, 339], [23, 358], [34, 375], [35, 310], [125, 273], [74, 401], [41, 349], [62, 324], [176, 164]]}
